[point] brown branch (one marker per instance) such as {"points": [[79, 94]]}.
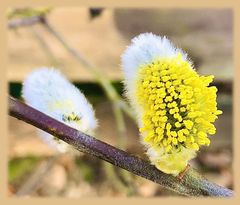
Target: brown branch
{"points": [[191, 185]]}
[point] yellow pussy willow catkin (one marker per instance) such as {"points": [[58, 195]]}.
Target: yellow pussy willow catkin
{"points": [[175, 107], [178, 107]]}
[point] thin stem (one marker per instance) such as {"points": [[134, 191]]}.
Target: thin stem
{"points": [[104, 82], [34, 181], [47, 51], [192, 183], [126, 108], [121, 126], [122, 141], [16, 23], [100, 77], [109, 168]]}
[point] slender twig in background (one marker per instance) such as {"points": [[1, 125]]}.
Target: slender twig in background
{"points": [[100, 77], [109, 168], [192, 183], [121, 126], [34, 181], [16, 23], [27, 12], [47, 50]]}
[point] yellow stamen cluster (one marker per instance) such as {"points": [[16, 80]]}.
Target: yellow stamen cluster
{"points": [[71, 117], [178, 105]]}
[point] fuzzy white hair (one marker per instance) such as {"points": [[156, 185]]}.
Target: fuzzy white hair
{"points": [[143, 50], [48, 91]]}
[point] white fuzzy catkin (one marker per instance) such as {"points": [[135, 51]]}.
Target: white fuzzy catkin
{"points": [[144, 49], [48, 91]]}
